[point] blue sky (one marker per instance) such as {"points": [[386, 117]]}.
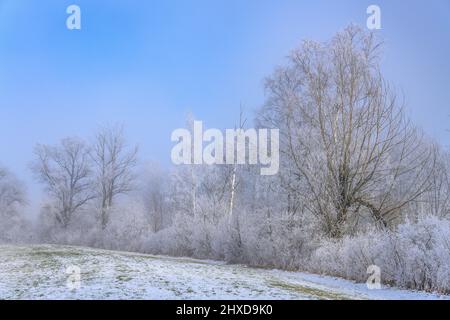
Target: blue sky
{"points": [[148, 63]]}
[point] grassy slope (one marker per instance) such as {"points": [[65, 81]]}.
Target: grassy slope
{"points": [[39, 272]]}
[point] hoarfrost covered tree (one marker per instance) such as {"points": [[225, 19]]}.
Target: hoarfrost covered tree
{"points": [[65, 171], [234, 172], [436, 200], [156, 197], [348, 148], [12, 201], [195, 187], [11, 192], [114, 162]]}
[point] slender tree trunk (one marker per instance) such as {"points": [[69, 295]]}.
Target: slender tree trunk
{"points": [[233, 192]]}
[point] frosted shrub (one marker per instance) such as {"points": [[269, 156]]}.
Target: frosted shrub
{"points": [[416, 255], [425, 248]]}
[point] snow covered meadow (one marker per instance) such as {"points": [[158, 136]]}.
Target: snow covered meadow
{"points": [[40, 272]]}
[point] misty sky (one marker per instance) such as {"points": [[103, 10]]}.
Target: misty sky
{"points": [[148, 63]]}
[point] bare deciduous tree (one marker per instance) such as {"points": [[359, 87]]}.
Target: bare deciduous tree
{"points": [[348, 146], [114, 167], [65, 171]]}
